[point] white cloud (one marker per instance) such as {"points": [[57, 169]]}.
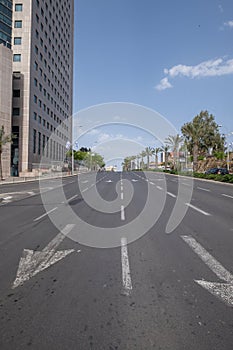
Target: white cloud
{"points": [[220, 8], [210, 68], [229, 24], [164, 84]]}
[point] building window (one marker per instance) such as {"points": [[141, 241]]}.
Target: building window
{"points": [[39, 143], [34, 141], [18, 7], [16, 112], [16, 93], [17, 58], [43, 145], [35, 98], [35, 115], [18, 24], [18, 41], [35, 82]]}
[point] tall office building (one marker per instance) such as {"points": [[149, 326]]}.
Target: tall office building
{"points": [[5, 22], [42, 81], [6, 79]]}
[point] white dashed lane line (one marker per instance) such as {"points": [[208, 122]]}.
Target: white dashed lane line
{"points": [[203, 189], [198, 209], [47, 213], [227, 196], [126, 278]]}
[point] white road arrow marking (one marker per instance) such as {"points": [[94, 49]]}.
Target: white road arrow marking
{"points": [[31, 263], [224, 291]]}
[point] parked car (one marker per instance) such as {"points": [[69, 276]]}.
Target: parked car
{"points": [[215, 171]]}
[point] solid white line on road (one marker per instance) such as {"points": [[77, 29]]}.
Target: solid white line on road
{"points": [[31, 193], [7, 198], [122, 213], [171, 195], [208, 259], [197, 209], [159, 188], [47, 213], [203, 189], [70, 199], [126, 278], [226, 195]]}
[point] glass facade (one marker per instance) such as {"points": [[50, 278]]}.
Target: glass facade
{"points": [[5, 22]]}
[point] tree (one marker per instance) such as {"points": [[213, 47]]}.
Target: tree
{"points": [[174, 143], [165, 149], [156, 153], [4, 139], [202, 134], [142, 155], [148, 154]]}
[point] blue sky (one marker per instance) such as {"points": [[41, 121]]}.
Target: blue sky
{"points": [[175, 57]]}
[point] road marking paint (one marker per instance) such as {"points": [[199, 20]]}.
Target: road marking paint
{"points": [[85, 182], [70, 199], [122, 188], [42, 216], [203, 189], [31, 263], [31, 193], [185, 184], [226, 195], [152, 183], [171, 195], [159, 188], [122, 213], [7, 198], [197, 209], [223, 291], [86, 189], [126, 278], [122, 196]]}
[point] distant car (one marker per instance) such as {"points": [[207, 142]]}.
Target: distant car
{"points": [[215, 171]]}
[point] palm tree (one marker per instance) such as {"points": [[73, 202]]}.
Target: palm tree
{"points": [[148, 153], [165, 149], [156, 153], [192, 133], [142, 155], [174, 143], [4, 139]]}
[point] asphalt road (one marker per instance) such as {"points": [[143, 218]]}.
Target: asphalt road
{"points": [[150, 286]]}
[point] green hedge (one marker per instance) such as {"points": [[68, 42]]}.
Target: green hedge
{"points": [[221, 178]]}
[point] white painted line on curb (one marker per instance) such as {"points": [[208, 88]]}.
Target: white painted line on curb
{"points": [[126, 278], [171, 194], [42, 216], [122, 213], [197, 209], [203, 189], [226, 195]]}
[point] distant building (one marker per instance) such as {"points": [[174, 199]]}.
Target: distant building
{"points": [[6, 103], [42, 81]]}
